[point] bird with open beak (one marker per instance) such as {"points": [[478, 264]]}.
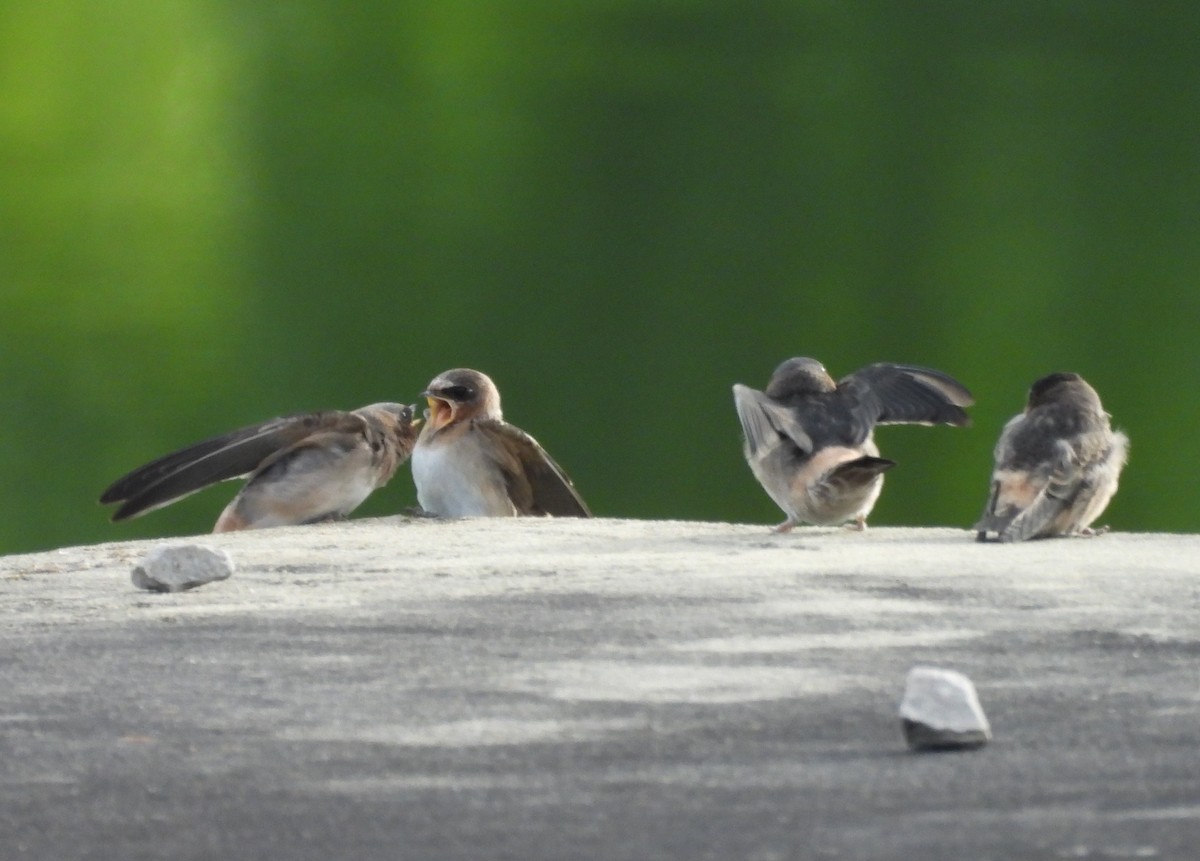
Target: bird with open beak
{"points": [[809, 441], [1056, 464], [302, 468], [469, 462]]}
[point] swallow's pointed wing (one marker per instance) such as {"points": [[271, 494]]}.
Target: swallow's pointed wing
{"points": [[1020, 507], [905, 394], [232, 455], [767, 424], [1058, 495], [536, 484]]}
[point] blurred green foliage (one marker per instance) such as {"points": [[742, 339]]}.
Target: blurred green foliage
{"points": [[218, 211]]}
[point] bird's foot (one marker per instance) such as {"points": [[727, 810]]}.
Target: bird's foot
{"points": [[786, 526], [335, 517], [418, 511]]}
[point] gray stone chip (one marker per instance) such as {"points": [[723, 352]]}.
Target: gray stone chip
{"points": [[941, 711], [176, 567]]}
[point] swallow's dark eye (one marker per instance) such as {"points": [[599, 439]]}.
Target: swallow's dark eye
{"points": [[458, 393]]}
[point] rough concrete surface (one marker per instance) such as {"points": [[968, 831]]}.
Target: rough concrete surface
{"points": [[564, 689]]}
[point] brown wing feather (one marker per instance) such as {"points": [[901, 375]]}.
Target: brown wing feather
{"points": [[539, 486], [907, 394], [765, 423], [232, 455]]}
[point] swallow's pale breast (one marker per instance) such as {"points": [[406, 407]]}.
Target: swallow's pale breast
{"points": [[1057, 464], [300, 469], [469, 462], [809, 440]]}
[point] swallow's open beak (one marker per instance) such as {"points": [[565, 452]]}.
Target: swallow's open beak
{"points": [[440, 412]]}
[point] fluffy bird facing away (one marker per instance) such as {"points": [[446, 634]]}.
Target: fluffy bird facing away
{"points": [[302, 468], [809, 440], [469, 462], [1056, 464]]}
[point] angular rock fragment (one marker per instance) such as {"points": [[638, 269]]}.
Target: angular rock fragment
{"points": [[176, 567], [940, 711]]}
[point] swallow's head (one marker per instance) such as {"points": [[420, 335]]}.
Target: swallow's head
{"points": [[408, 420], [799, 376], [461, 395], [398, 420], [405, 414], [1062, 387]]}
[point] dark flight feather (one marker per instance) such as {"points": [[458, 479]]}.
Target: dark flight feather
{"points": [[540, 487], [228, 456]]}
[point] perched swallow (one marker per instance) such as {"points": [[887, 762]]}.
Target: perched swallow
{"points": [[809, 440], [469, 462], [302, 468], [1057, 464]]}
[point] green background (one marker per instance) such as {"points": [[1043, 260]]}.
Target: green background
{"points": [[217, 212]]}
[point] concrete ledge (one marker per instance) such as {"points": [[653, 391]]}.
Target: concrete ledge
{"points": [[562, 689]]}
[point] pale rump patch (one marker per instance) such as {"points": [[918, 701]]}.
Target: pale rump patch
{"points": [[818, 500], [1016, 490]]}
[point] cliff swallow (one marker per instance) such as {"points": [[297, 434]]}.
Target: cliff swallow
{"points": [[469, 462], [1056, 464], [302, 468], [809, 440]]}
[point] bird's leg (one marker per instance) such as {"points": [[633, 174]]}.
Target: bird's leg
{"points": [[332, 517], [418, 511], [860, 523], [786, 526]]}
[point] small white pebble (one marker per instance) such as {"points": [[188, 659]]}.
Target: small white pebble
{"points": [[176, 567], [941, 711]]}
